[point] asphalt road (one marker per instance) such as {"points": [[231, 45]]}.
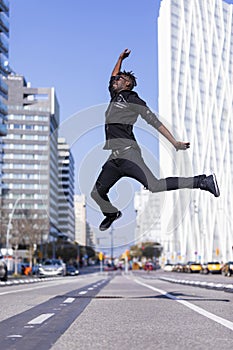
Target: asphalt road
{"points": [[119, 311]]}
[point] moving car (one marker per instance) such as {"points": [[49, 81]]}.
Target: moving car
{"points": [[3, 269], [71, 271], [211, 267], [227, 269], [52, 267]]}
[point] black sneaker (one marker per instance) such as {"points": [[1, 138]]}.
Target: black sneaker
{"points": [[210, 184], [107, 222]]}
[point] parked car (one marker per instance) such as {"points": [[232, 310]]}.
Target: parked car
{"points": [[179, 267], [3, 269], [192, 267], [211, 267], [168, 267], [52, 267], [227, 269], [71, 271]]}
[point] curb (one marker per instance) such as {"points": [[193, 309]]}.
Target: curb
{"points": [[207, 285], [26, 281]]}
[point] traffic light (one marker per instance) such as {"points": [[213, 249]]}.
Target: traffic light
{"points": [[101, 256]]}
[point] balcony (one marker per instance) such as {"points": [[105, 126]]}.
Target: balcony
{"points": [[4, 5], [3, 130], [4, 45], [3, 88], [3, 109], [4, 23]]}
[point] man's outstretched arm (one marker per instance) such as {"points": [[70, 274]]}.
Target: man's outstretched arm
{"points": [[117, 67], [177, 144]]}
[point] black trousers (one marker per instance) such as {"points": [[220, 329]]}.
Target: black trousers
{"points": [[129, 163]]}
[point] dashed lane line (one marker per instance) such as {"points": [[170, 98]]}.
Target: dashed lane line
{"points": [[193, 307], [40, 319], [69, 300]]}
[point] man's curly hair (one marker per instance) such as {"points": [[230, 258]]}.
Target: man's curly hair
{"points": [[131, 77]]}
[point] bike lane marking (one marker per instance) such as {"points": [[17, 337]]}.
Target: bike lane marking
{"points": [[43, 330], [199, 310], [40, 319], [69, 300]]}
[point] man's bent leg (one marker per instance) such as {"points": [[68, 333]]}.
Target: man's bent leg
{"points": [[109, 175]]}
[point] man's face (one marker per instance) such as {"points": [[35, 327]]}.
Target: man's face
{"points": [[120, 83]]}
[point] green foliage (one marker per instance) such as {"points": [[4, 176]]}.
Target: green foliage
{"points": [[146, 249]]}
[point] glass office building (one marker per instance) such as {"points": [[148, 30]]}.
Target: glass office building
{"points": [[4, 48]]}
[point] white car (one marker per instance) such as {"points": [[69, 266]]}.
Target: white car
{"points": [[52, 267], [168, 267]]}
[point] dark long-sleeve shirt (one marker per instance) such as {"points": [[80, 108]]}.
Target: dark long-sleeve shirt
{"points": [[121, 114]]}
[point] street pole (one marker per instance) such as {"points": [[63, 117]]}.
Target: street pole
{"points": [[111, 233], [9, 228]]}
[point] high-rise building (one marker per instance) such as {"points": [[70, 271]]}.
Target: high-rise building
{"points": [[66, 219], [91, 238], [4, 48], [80, 219], [30, 157], [195, 60]]}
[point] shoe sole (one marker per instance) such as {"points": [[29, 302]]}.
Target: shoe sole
{"points": [[216, 186], [118, 217]]}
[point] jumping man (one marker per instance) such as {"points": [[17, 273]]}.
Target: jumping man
{"points": [[126, 159]]}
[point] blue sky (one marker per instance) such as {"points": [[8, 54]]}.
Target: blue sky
{"points": [[73, 45]]}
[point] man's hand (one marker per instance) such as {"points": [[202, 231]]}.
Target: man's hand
{"points": [[124, 54], [117, 67], [181, 145]]}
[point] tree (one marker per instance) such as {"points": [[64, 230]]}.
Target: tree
{"points": [[27, 230], [148, 249]]}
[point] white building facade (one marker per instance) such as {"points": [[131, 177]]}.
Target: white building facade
{"points": [[80, 219], [66, 218], [195, 60], [30, 161]]}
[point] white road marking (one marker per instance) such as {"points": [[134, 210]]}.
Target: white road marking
{"points": [[69, 300], [195, 308], [83, 292], [90, 288], [40, 319], [14, 336]]}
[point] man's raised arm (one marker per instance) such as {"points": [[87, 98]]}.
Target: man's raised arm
{"points": [[117, 67]]}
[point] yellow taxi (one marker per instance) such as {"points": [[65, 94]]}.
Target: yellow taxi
{"points": [[211, 267], [192, 266]]}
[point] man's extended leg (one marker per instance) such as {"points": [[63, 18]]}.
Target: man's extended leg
{"points": [[134, 166]]}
